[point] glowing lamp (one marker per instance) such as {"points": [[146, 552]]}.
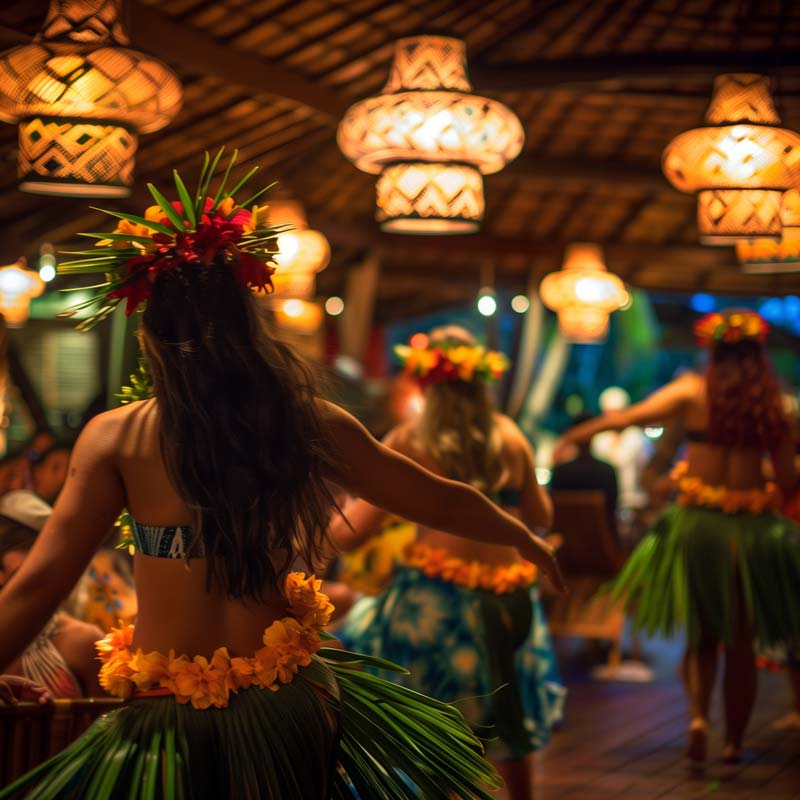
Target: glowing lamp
{"points": [[430, 139], [18, 286], [739, 163], [300, 250], [80, 98], [334, 306], [768, 256], [583, 294], [299, 316]]}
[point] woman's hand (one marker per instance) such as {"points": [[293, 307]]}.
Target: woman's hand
{"points": [[541, 553], [14, 689]]}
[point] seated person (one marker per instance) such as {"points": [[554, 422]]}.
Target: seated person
{"points": [[48, 471], [582, 472], [62, 657]]}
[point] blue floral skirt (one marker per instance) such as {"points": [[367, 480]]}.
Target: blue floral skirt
{"points": [[488, 654]]}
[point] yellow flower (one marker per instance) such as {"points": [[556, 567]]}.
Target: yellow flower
{"points": [[241, 674], [291, 645], [258, 218], [306, 601], [420, 362]]}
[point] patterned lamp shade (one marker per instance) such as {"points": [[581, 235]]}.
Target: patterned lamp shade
{"points": [[430, 139], [583, 294], [302, 252], [80, 98], [739, 163], [18, 286], [769, 256]]}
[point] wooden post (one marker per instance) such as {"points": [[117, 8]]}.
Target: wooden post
{"points": [[355, 323]]}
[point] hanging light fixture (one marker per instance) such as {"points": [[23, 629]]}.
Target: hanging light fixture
{"points": [[583, 294], [430, 139], [299, 316], [768, 256], [18, 286], [739, 162], [80, 98], [302, 252]]}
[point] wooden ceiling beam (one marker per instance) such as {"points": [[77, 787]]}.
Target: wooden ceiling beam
{"points": [[546, 73], [180, 44]]}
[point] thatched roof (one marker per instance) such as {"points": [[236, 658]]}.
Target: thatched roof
{"points": [[601, 87]]}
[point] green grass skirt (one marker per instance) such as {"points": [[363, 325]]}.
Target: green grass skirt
{"points": [[686, 573], [336, 731]]}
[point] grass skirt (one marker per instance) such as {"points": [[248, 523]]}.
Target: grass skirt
{"points": [[685, 575], [336, 731], [489, 654]]}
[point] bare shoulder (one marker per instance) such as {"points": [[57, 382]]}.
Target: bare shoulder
{"points": [[78, 634], [106, 430], [510, 432]]}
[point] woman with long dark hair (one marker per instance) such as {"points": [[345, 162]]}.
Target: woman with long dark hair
{"points": [[226, 473], [464, 616], [723, 564]]}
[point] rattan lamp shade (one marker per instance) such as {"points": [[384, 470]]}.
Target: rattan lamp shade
{"points": [[18, 286], [769, 256], [430, 140], [739, 163], [583, 294], [80, 98]]}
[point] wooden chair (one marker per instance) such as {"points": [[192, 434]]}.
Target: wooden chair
{"points": [[589, 556], [30, 733]]}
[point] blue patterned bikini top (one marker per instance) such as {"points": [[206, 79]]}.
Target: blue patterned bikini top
{"points": [[163, 541]]}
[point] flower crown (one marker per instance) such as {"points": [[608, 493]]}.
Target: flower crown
{"points": [[192, 231], [433, 363], [729, 328]]}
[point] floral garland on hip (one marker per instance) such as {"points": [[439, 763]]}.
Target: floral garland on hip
{"points": [[193, 231], [289, 643], [436, 362]]}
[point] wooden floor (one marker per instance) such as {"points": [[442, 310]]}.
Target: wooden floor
{"points": [[627, 741]]}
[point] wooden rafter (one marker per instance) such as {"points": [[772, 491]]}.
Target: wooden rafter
{"points": [[545, 73]]}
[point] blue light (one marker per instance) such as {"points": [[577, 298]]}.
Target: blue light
{"points": [[791, 309], [702, 303], [772, 310]]}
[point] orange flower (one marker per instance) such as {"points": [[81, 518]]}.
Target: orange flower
{"points": [[148, 669], [115, 640], [115, 675], [306, 602], [241, 674], [199, 681]]}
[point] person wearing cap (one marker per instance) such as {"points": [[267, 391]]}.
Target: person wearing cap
{"points": [[62, 657]]}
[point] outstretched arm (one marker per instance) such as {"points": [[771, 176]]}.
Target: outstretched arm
{"points": [[393, 482], [85, 511], [662, 405]]}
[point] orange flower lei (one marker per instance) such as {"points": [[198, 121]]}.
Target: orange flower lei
{"points": [[693, 491], [289, 644], [437, 563]]}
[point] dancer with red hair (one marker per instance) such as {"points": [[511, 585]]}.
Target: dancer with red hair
{"points": [[722, 564]]}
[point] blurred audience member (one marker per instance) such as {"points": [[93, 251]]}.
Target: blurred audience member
{"points": [[13, 472], [48, 471], [580, 471], [626, 450], [62, 657]]}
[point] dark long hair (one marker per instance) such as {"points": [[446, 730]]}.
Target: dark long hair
{"points": [[744, 402], [241, 435], [457, 427]]}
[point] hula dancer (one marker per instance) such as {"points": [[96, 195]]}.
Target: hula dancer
{"points": [[723, 564], [225, 472], [464, 616]]}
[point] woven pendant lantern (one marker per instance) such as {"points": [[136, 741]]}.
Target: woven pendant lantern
{"points": [[430, 139], [18, 286], [739, 163], [299, 316], [583, 294], [767, 256], [80, 98], [302, 252]]}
